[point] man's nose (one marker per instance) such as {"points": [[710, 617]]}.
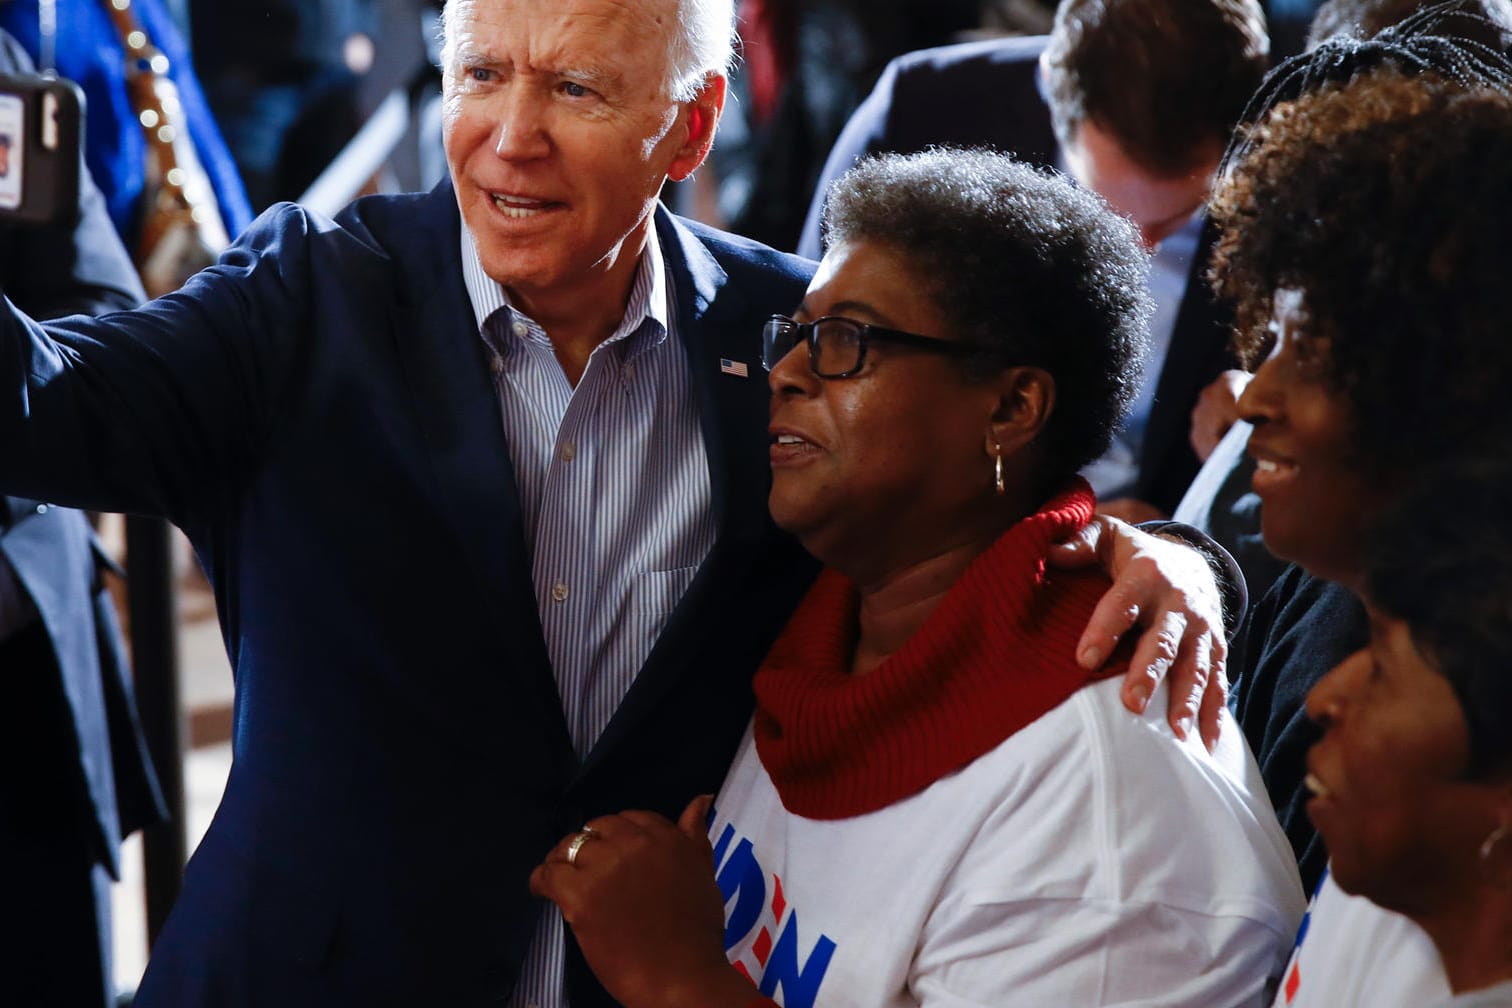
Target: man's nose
{"points": [[521, 133]]}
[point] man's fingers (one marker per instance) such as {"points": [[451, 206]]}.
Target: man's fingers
{"points": [[1188, 680], [1215, 699], [1078, 551], [1116, 612], [1159, 646], [1138, 686]]}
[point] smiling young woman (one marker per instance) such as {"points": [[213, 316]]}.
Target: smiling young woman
{"points": [[1364, 241], [1364, 245]]}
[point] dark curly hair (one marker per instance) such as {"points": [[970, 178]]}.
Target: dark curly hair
{"points": [[1023, 262], [1163, 77], [1383, 199], [1441, 560]]}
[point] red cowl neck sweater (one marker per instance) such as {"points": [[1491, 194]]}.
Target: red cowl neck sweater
{"points": [[998, 652]]}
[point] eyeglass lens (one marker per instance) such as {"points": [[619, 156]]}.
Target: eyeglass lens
{"points": [[834, 344]]}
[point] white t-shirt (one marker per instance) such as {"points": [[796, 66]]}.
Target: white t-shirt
{"points": [[1090, 859], [1351, 952]]}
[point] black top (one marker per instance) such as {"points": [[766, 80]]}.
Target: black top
{"points": [[1298, 631]]}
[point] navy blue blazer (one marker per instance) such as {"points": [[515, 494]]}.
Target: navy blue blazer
{"points": [[316, 413], [986, 94]]}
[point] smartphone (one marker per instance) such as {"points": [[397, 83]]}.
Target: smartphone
{"points": [[40, 122]]}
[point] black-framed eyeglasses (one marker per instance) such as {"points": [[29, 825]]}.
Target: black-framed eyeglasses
{"points": [[837, 345]]}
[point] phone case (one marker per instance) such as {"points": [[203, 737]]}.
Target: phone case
{"points": [[40, 124]]}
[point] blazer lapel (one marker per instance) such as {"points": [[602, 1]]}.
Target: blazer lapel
{"points": [[732, 405], [456, 406], [714, 323]]}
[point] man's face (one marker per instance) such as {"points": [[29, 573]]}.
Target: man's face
{"points": [[560, 132], [1159, 206]]}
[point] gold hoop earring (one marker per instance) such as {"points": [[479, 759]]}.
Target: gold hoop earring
{"points": [[1496, 869], [1488, 846]]}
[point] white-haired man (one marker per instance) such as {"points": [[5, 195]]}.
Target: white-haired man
{"points": [[482, 499]]}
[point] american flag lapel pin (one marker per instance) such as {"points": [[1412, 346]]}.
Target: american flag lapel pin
{"points": [[734, 367]]}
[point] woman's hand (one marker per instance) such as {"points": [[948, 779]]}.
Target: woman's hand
{"points": [[1167, 588], [640, 896]]}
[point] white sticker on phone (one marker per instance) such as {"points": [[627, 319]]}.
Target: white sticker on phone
{"points": [[12, 150]]}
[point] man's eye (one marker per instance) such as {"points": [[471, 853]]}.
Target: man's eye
{"points": [[480, 74], [573, 89]]}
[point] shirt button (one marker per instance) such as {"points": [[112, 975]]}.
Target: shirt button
{"points": [[496, 364], [519, 328], [569, 452], [559, 592], [629, 370], [41, 509]]}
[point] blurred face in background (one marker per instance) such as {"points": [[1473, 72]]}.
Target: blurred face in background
{"points": [[1158, 205]]}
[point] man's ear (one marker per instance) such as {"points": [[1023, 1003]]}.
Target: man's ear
{"points": [[700, 118], [1026, 398]]}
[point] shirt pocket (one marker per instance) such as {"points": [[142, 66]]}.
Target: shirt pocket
{"points": [[657, 593]]}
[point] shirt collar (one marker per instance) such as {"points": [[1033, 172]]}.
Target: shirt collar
{"points": [[648, 291]]}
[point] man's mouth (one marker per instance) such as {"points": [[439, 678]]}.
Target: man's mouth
{"points": [[520, 207]]}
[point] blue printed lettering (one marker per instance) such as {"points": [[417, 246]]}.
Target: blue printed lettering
{"points": [[800, 983], [742, 879], [723, 842]]}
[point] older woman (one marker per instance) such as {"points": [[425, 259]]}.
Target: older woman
{"points": [[934, 805], [1412, 779]]}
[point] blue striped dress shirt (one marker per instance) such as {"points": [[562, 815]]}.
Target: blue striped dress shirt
{"points": [[614, 490]]}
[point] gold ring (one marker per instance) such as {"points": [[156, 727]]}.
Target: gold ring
{"points": [[574, 845]]}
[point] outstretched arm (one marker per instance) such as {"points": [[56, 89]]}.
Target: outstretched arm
{"points": [[1163, 581]]}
